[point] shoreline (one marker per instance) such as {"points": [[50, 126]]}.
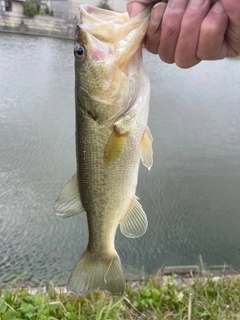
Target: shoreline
{"points": [[44, 26], [182, 273], [177, 280], [33, 34]]}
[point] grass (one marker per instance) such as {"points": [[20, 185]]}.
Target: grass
{"points": [[157, 298]]}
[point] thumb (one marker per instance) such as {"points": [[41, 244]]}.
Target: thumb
{"points": [[134, 7], [232, 35]]}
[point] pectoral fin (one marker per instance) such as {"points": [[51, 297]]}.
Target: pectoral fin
{"points": [[69, 203], [135, 223], [114, 147], [146, 149]]}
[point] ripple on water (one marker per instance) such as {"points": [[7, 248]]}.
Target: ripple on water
{"points": [[191, 195]]}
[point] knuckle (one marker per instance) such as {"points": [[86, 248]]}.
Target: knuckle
{"points": [[152, 42], [210, 42], [171, 30], [210, 29], [183, 65], [151, 47], [186, 64], [171, 22], [204, 54], [166, 58]]}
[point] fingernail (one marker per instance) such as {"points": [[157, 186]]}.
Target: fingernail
{"points": [[196, 3], [129, 9], [157, 5], [158, 14], [218, 7], [177, 4]]}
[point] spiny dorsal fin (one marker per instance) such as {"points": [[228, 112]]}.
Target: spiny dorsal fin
{"points": [[146, 149], [135, 223], [69, 204], [114, 147]]}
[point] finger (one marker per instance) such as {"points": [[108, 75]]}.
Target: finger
{"points": [[154, 31], [134, 7], [232, 36], [212, 45], [233, 10], [185, 54], [170, 29]]}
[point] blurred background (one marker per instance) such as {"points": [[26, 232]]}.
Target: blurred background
{"points": [[64, 9], [191, 195]]}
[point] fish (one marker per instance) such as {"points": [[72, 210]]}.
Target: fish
{"points": [[112, 94]]}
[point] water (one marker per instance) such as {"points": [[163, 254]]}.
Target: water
{"points": [[191, 195]]}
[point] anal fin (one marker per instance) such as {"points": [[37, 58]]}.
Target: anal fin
{"points": [[69, 203], [134, 223]]}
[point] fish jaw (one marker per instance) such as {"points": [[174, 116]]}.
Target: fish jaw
{"points": [[108, 73]]}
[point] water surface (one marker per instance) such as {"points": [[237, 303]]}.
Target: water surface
{"points": [[191, 195]]}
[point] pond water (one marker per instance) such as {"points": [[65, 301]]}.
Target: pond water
{"points": [[191, 195]]}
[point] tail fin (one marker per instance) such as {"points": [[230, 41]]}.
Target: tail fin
{"points": [[92, 274]]}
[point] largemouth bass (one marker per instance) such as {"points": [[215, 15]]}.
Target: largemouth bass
{"points": [[112, 101]]}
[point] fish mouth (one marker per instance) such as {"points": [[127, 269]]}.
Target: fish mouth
{"points": [[111, 33], [113, 44]]}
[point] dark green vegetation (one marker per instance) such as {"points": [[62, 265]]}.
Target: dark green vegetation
{"points": [[30, 8], [104, 5], [159, 298]]}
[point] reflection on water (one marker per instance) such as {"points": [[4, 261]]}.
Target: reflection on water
{"points": [[191, 195]]}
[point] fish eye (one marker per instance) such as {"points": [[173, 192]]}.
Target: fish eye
{"points": [[79, 52]]}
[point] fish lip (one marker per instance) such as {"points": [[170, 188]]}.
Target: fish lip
{"points": [[87, 9], [93, 20], [96, 14], [107, 36]]}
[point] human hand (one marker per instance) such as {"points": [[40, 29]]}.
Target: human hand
{"points": [[188, 31]]}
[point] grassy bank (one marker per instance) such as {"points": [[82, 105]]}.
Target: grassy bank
{"points": [[159, 298]]}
